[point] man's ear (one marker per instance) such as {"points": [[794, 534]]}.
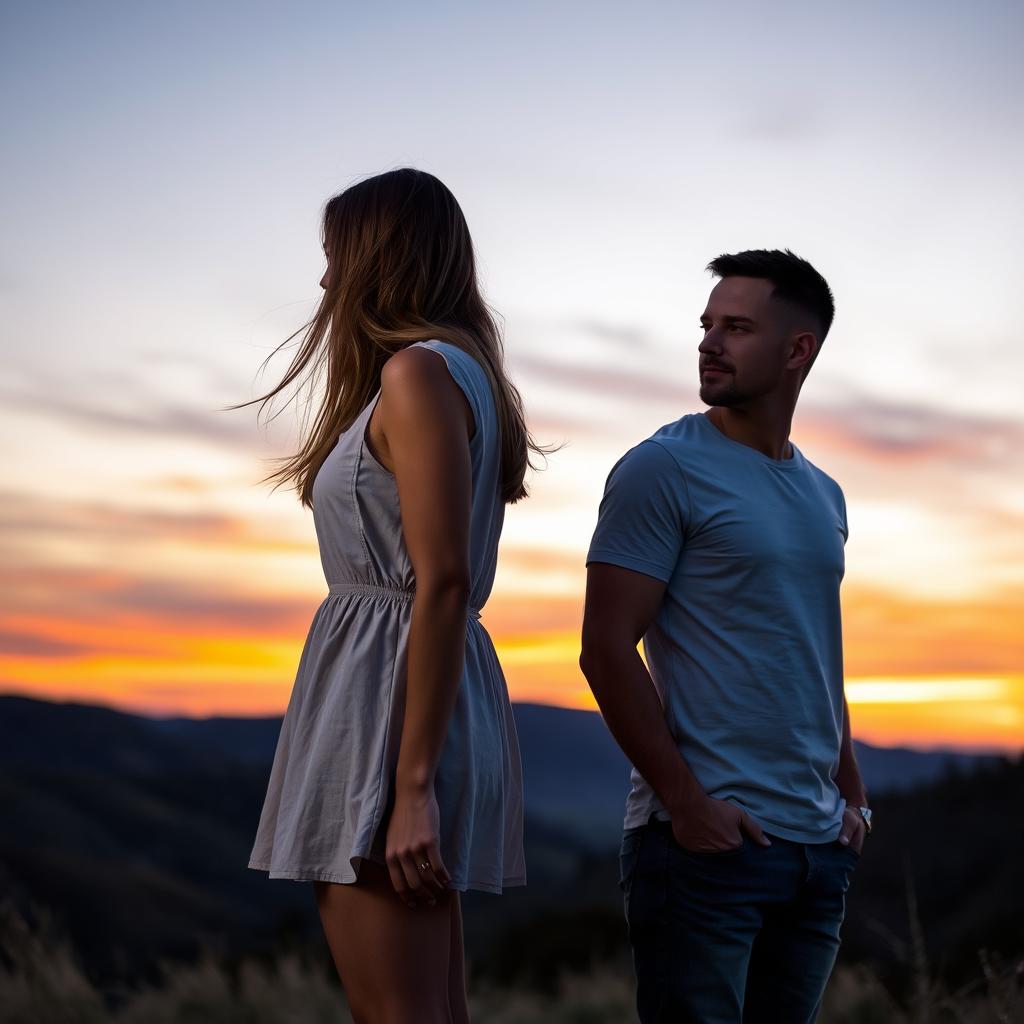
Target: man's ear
{"points": [[803, 348]]}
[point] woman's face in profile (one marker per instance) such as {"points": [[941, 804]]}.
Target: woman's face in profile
{"points": [[327, 272]]}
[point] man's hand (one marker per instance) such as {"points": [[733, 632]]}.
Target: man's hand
{"points": [[708, 825], [854, 830]]}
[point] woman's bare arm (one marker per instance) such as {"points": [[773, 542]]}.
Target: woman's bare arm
{"points": [[426, 422]]}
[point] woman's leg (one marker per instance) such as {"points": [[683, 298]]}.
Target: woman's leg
{"points": [[396, 963], [457, 1002]]}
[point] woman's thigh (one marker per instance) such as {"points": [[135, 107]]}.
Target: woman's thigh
{"points": [[397, 964]]}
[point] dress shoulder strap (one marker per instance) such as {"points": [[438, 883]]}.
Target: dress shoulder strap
{"points": [[472, 379]]}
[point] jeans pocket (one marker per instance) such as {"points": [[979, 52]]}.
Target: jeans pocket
{"points": [[629, 853], [847, 863], [734, 851], [854, 854], [645, 869]]}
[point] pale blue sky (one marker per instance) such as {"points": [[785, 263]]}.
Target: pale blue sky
{"points": [[171, 159]]}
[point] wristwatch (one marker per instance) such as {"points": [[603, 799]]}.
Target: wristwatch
{"points": [[865, 813]]}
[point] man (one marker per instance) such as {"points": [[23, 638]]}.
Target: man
{"points": [[721, 546]]}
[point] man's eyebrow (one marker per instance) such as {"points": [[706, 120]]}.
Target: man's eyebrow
{"points": [[732, 319]]}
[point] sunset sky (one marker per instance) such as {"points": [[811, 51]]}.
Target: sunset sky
{"points": [[164, 171]]}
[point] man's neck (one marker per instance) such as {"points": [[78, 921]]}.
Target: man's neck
{"points": [[763, 428]]}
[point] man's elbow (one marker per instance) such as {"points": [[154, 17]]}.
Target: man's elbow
{"points": [[586, 662], [594, 654]]}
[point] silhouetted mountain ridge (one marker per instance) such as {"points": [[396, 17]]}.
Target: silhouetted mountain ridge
{"points": [[575, 776]]}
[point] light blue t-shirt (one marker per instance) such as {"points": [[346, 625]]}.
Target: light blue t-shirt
{"points": [[746, 648]]}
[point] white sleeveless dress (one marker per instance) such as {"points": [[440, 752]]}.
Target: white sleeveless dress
{"points": [[332, 778]]}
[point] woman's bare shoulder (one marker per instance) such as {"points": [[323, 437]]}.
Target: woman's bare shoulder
{"points": [[417, 378], [413, 368]]}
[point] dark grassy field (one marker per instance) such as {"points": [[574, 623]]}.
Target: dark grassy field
{"points": [[41, 983], [130, 837]]}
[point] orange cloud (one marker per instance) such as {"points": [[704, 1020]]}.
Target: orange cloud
{"points": [[984, 713], [886, 633], [167, 602]]}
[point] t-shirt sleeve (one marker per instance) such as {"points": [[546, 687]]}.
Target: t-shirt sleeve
{"points": [[642, 518], [840, 506]]}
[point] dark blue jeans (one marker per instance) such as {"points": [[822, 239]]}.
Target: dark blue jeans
{"points": [[748, 936]]}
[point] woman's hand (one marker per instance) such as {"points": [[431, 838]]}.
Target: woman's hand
{"points": [[413, 851]]}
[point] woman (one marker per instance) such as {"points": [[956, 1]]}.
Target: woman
{"points": [[396, 783]]}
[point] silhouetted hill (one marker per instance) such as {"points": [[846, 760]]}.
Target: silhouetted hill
{"points": [[136, 832], [575, 776], [957, 849]]}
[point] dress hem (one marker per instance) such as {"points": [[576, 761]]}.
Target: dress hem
{"points": [[319, 875]]}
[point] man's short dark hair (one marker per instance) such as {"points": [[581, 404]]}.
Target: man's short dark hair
{"points": [[795, 280]]}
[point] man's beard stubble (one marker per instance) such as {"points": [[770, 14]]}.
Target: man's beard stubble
{"points": [[719, 395]]}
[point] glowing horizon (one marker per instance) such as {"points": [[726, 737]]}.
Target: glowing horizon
{"points": [[187, 673], [985, 716]]}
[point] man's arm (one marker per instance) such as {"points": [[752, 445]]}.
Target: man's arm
{"points": [[620, 605], [851, 787]]}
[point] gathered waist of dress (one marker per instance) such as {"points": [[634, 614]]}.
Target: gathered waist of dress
{"points": [[380, 590]]}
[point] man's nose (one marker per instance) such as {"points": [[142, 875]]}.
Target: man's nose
{"points": [[712, 342]]}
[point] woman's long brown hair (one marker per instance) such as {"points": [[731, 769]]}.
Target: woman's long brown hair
{"points": [[402, 270]]}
